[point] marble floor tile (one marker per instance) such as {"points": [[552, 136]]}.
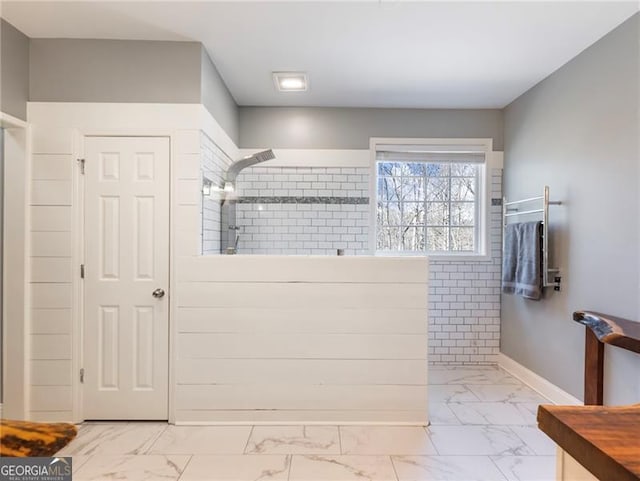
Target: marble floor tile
{"points": [[499, 413], [477, 440], [538, 441], [385, 440], [77, 462], [202, 440], [471, 376], [529, 411], [483, 428], [447, 393], [527, 468], [138, 468], [506, 393], [294, 440], [441, 413], [446, 468], [341, 468], [237, 468], [114, 438]]}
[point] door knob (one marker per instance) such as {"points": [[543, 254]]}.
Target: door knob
{"points": [[158, 293]]}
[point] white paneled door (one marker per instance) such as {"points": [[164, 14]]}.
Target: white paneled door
{"points": [[126, 311]]}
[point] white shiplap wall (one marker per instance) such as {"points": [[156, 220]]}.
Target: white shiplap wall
{"points": [[55, 229], [51, 275], [271, 339], [287, 339]]}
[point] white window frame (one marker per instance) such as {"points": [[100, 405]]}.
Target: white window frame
{"points": [[484, 145]]}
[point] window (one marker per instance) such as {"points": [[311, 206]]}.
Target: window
{"points": [[429, 199]]}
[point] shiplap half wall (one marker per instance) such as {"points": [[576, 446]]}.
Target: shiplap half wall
{"points": [[301, 339]]}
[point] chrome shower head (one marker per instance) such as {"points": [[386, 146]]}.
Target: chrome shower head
{"points": [[264, 155], [235, 168]]}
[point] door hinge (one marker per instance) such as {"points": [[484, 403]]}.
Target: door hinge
{"points": [[81, 271], [82, 375], [81, 164]]}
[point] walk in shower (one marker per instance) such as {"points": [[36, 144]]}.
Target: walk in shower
{"points": [[283, 336], [259, 207]]}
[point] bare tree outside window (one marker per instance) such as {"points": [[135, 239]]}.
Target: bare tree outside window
{"points": [[426, 207]]}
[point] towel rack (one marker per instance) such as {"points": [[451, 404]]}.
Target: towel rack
{"points": [[508, 211]]}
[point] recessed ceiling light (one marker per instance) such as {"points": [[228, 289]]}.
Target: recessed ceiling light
{"points": [[290, 81]]}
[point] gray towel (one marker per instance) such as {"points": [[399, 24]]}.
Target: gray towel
{"points": [[522, 260]]}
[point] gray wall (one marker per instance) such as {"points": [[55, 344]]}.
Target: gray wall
{"points": [[14, 71], [351, 128], [84, 70], [578, 132], [217, 98], [65, 70]]}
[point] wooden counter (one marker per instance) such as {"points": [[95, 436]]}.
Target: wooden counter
{"points": [[605, 440]]}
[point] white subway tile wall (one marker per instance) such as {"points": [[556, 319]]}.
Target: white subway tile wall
{"points": [[214, 165], [464, 300], [303, 210]]}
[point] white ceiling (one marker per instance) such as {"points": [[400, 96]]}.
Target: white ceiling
{"points": [[359, 54]]}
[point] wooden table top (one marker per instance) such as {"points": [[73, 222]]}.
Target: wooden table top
{"points": [[604, 439]]}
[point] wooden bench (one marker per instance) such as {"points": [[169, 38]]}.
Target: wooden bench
{"points": [[603, 329]]}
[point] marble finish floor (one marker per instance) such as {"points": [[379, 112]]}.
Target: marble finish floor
{"points": [[483, 428]]}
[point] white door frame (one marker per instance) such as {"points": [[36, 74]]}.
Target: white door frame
{"points": [[16, 301], [78, 257]]}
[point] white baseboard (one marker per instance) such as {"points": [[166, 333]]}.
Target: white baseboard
{"points": [[303, 422], [536, 382]]}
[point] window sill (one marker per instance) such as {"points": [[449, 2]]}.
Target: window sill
{"points": [[439, 257]]}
